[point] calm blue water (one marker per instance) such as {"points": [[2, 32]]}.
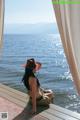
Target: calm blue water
{"points": [[54, 74]]}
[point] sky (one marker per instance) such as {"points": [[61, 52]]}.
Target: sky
{"points": [[29, 11]]}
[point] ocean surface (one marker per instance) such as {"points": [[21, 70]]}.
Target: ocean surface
{"points": [[54, 74]]}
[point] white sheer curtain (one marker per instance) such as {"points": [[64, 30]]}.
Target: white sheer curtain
{"points": [[68, 20], [1, 20]]}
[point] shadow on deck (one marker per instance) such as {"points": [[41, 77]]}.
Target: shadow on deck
{"points": [[26, 115]]}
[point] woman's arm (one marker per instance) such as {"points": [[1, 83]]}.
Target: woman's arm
{"points": [[33, 92]]}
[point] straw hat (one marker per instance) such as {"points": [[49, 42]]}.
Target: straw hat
{"points": [[31, 63]]}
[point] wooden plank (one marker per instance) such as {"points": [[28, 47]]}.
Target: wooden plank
{"points": [[17, 96], [13, 90], [60, 115], [12, 99], [65, 111], [38, 117], [49, 116]]}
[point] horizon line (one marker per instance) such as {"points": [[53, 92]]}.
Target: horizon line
{"points": [[28, 23]]}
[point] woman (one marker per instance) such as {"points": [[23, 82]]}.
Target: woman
{"points": [[37, 95]]}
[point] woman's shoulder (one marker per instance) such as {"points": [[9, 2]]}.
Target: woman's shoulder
{"points": [[32, 80]]}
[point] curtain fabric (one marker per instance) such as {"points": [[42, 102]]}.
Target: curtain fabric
{"points": [[1, 20], [68, 20]]}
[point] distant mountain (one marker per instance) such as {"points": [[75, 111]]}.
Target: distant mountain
{"points": [[39, 28]]}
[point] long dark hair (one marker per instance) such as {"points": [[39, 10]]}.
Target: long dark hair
{"points": [[28, 73], [30, 65]]}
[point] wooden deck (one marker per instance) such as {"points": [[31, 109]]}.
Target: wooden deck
{"points": [[20, 99]]}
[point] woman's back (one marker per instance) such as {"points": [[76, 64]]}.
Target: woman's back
{"points": [[26, 78]]}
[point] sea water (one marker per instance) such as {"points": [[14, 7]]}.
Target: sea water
{"points": [[54, 74]]}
